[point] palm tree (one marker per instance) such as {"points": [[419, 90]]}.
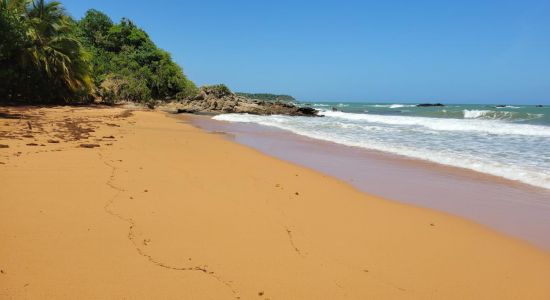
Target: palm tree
{"points": [[14, 5], [53, 50]]}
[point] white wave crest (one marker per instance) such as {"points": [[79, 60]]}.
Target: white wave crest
{"points": [[509, 106], [443, 124], [393, 105], [397, 105], [488, 114], [323, 129], [475, 114]]}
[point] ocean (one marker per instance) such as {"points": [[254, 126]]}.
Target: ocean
{"points": [[510, 141]]}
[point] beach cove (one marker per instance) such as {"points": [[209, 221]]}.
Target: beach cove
{"points": [[112, 203]]}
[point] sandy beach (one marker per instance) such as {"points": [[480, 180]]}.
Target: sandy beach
{"points": [[507, 206], [109, 203]]}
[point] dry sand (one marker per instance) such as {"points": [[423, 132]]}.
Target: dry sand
{"points": [[163, 210]]}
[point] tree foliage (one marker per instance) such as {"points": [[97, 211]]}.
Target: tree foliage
{"points": [[124, 53], [46, 56], [40, 57], [218, 90]]}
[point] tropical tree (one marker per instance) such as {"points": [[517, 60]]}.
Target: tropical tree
{"points": [[47, 56], [55, 49], [50, 63], [126, 63], [95, 27], [13, 41]]}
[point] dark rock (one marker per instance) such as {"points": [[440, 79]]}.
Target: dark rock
{"points": [[539, 105], [185, 111], [308, 111], [218, 100], [4, 146], [53, 141], [429, 104], [32, 144]]}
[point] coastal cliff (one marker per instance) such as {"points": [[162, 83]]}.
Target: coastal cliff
{"points": [[219, 99]]}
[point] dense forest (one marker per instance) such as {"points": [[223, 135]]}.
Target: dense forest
{"points": [[268, 97], [46, 56]]}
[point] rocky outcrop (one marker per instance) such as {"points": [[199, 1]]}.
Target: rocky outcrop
{"points": [[429, 104], [213, 100]]}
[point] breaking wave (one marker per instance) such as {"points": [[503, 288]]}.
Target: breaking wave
{"points": [[509, 150]]}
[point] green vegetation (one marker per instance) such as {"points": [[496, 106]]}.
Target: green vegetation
{"points": [[40, 57], [218, 90], [268, 97], [45, 56], [126, 64]]}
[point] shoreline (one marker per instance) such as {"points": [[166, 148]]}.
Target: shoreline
{"points": [[491, 146], [510, 207], [161, 209]]}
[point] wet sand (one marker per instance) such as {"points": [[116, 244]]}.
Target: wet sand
{"points": [[510, 207], [151, 207]]}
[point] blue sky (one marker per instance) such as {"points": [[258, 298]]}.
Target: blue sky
{"points": [[389, 51]]}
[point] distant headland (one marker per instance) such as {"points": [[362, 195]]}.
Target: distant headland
{"points": [[267, 97]]}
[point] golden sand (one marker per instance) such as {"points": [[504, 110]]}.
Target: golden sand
{"points": [[163, 210]]}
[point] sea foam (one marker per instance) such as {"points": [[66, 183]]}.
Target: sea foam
{"points": [[512, 151], [447, 124]]}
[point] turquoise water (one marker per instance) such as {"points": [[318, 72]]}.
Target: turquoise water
{"points": [[521, 114], [512, 142]]}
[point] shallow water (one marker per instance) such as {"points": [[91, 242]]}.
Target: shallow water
{"points": [[511, 142]]}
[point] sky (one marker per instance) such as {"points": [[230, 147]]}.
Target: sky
{"points": [[378, 51]]}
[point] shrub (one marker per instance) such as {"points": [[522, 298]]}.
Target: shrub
{"points": [[218, 90]]}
